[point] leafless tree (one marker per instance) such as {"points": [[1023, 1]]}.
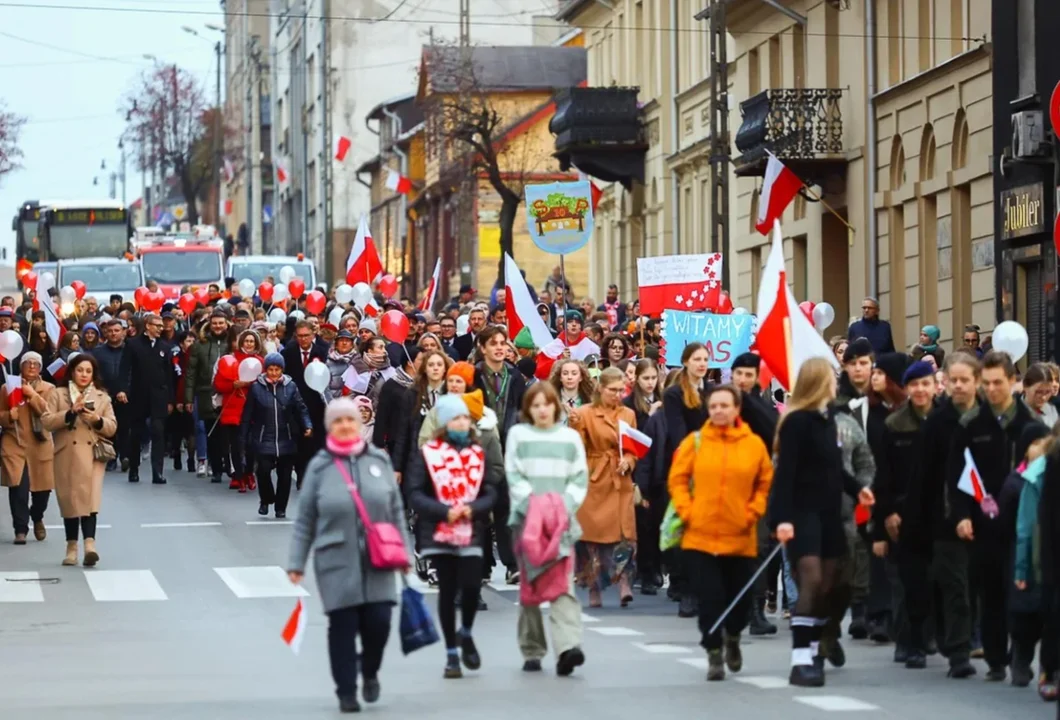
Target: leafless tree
{"points": [[10, 129]]}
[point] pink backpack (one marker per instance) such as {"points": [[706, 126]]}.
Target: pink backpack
{"points": [[386, 545]]}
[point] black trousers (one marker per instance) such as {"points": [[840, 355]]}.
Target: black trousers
{"points": [[86, 524], [180, 426], [371, 622], [944, 575], [26, 505], [715, 580], [649, 557], [284, 466], [123, 418], [455, 574], [500, 532], [232, 439], [989, 557], [1028, 629], [144, 426]]}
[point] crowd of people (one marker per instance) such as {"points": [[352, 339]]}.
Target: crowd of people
{"points": [[481, 450]]}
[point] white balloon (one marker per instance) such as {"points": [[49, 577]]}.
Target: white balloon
{"points": [[297, 315], [287, 274], [68, 295], [362, 295], [343, 294], [823, 316], [247, 288], [1008, 337], [739, 311], [335, 318], [249, 369], [461, 324], [277, 316], [369, 324], [280, 293], [222, 301], [317, 376], [45, 282], [10, 344]]}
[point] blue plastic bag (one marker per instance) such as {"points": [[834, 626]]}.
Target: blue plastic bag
{"points": [[417, 626]]}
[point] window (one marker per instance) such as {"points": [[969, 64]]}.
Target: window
{"points": [[798, 49], [754, 73], [776, 76], [756, 270], [104, 277], [183, 267], [799, 268]]}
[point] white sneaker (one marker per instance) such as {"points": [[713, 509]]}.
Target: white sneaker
{"points": [[201, 472]]}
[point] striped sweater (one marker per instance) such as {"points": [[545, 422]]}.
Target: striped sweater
{"points": [[546, 461]]}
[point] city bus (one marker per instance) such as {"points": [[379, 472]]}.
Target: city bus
{"points": [[27, 243], [94, 228]]}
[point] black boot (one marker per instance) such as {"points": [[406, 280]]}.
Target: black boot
{"points": [[759, 624], [858, 629], [806, 676], [689, 607]]}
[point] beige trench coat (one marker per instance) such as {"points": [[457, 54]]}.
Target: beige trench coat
{"points": [[78, 477], [20, 448], [607, 514]]}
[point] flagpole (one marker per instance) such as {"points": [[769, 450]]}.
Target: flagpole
{"points": [[566, 292], [826, 206]]}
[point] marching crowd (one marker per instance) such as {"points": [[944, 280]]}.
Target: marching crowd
{"points": [[457, 447]]}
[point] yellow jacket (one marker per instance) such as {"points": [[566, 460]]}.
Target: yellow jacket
{"points": [[720, 490]]}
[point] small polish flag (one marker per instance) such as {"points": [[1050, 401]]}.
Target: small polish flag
{"points": [[971, 481], [13, 385], [397, 182], [342, 147], [281, 173], [632, 440], [371, 309], [779, 188], [432, 289], [294, 630], [550, 354], [52, 326], [57, 369], [363, 264]]}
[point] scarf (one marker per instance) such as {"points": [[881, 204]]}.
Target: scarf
{"points": [[375, 363], [345, 448], [347, 358], [457, 475]]}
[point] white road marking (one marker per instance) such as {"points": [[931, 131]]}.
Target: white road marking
{"points": [[835, 703], [699, 663], [270, 522], [763, 682], [662, 648], [179, 524], [589, 618], [268, 581], [616, 631], [20, 587], [63, 527], [124, 585]]}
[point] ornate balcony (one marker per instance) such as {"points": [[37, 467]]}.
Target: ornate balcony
{"points": [[802, 127]]}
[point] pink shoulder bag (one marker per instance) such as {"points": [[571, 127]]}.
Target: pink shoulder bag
{"points": [[386, 545]]}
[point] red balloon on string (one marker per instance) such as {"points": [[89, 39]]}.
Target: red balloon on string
{"points": [[79, 288], [388, 285], [724, 304], [139, 295], [807, 309], [188, 303], [315, 302], [228, 367], [29, 280], [153, 301], [297, 287], [265, 291], [394, 326], [202, 295]]}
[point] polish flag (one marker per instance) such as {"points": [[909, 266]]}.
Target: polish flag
{"points": [[371, 310], [632, 440], [342, 147], [548, 357], [228, 208], [679, 282], [57, 369], [281, 173], [786, 338], [779, 188], [597, 193], [363, 264], [396, 182], [294, 630], [432, 289], [520, 307], [13, 385], [971, 482], [52, 324], [229, 171]]}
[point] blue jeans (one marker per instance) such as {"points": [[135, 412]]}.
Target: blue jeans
{"points": [[200, 435], [791, 588]]}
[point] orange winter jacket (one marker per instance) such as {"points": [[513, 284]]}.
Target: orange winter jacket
{"points": [[720, 489]]}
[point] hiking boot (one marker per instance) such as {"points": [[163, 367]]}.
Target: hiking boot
{"points": [[759, 624], [733, 656], [71, 553], [91, 556], [715, 665], [568, 660], [39, 531]]}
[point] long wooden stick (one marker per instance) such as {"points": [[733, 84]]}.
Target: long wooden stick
{"points": [[827, 207]]}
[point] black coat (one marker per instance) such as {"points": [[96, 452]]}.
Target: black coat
{"points": [[274, 418], [899, 460], [464, 345], [761, 416], [392, 422], [292, 358], [650, 473], [113, 367], [926, 511], [152, 374], [680, 420], [514, 406]]}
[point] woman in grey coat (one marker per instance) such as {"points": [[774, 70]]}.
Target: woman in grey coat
{"points": [[340, 358], [357, 598]]}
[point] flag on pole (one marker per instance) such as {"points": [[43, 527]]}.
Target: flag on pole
{"points": [[786, 339], [596, 193], [632, 440], [342, 147], [294, 630], [57, 369], [396, 182], [281, 173], [520, 307], [229, 171], [363, 264], [42, 301], [971, 482], [432, 288], [779, 188], [13, 385]]}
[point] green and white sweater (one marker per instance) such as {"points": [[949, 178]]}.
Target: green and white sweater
{"points": [[538, 462]]}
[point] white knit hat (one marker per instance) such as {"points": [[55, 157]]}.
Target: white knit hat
{"points": [[338, 408]]}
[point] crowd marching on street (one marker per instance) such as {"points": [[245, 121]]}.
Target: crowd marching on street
{"points": [[908, 499]]}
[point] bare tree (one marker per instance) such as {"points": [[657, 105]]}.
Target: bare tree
{"points": [[10, 129]]}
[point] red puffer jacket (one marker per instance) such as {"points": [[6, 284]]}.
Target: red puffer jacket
{"points": [[233, 399]]}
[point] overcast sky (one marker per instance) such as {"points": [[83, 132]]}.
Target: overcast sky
{"points": [[67, 70]]}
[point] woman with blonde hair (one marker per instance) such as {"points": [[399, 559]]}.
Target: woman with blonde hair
{"points": [[605, 555], [806, 509], [571, 381]]}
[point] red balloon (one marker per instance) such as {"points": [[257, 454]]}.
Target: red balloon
{"points": [[139, 295], [153, 301], [265, 291], [297, 288], [388, 285], [765, 375], [394, 326], [807, 309], [29, 280], [228, 367], [202, 295], [188, 303], [79, 288], [724, 304], [316, 301]]}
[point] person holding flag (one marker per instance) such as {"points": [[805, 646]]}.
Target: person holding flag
{"points": [[719, 484]]}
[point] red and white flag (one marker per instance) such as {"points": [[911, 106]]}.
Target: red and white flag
{"points": [[282, 177], [779, 188], [57, 369], [520, 306], [971, 482], [229, 171], [596, 192], [786, 338], [432, 288], [42, 301], [342, 147], [396, 182], [363, 264], [679, 282], [632, 441], [294, 630], [13, 385]]}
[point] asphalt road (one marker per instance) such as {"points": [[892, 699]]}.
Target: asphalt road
{"points": [[182, 619]]}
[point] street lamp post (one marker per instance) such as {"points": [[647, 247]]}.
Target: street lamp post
{"points": [[218, 135]]}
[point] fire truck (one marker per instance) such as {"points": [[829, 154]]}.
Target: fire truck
{"points": [[180, 260]]}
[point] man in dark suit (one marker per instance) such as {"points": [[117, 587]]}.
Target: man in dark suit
{"points": [[297, 355], [152, 374], [465, 344]]}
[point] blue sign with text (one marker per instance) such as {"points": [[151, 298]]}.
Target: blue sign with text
{"points": [[725, 336]]}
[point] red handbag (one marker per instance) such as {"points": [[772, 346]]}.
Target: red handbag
{"points": [[386, 544]]}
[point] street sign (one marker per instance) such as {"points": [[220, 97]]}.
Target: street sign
{"points": [[1054, 109]]}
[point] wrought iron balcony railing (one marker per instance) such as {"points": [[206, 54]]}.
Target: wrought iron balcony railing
{"points": [[792, 123]]}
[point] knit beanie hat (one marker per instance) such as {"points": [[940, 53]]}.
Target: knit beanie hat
{"points": [[342, 407], [859, 348], [575, 315], [932, 332], [476, 404], [363, 401], [524, 340], [917, 370], [463, 370], [747, 360], [31, 356], [894, 366], [275, 358], [450, 407]]}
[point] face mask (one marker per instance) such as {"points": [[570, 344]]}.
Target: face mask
{"points": [[459, 437]]}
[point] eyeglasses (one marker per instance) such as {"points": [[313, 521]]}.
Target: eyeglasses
{"points": [[616, 390]]}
